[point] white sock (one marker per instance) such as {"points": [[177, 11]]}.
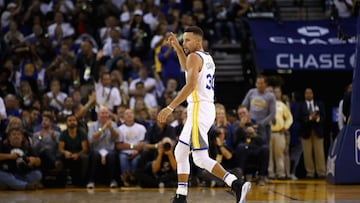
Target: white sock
{"points": [[229, 178], [182, 189]]}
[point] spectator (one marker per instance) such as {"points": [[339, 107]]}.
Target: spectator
{"points": [[55, 95], [19, 165], [170, 66], [140, 36], [74, 147], [149, 82], [157, 168], [12, 10], [278, 143], [44, 143], [65, 28], [132, 136], [116, 40], [223, 154], [12, 105], [262, 107], [312, 118], [86, 70], [106, 94], [103, 135], [252, 150], [149, 99]]}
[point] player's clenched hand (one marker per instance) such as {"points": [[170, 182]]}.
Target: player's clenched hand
{"points": [[163, 114]]}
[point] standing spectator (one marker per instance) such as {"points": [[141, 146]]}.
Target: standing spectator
{"points": [[86, 69], [278, 142], [19, 165], [103, 134], [74, 147], [170, 66], [312, 118], [140, 36], [262, 107], [132, 136]]}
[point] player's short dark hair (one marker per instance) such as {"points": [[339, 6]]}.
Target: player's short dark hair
{"points": [[196, 30]]}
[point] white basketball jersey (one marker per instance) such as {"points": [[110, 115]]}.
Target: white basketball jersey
{"points": [[204, 90]]}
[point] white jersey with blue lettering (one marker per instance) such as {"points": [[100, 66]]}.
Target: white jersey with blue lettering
{"points": [[204, 90]]}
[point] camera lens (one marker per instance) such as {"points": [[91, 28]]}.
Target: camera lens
{"points": [[166, 146]]}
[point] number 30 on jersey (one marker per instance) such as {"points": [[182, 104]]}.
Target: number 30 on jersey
{"points": [[210, 82]]}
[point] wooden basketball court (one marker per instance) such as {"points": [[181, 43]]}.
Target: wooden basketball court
{"points": [[276, 192]]}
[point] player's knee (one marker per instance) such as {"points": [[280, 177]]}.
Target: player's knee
{"points": [[202, 160], [181, 152]]}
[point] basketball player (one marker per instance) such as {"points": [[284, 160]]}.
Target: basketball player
{"points": [[199, 91]]}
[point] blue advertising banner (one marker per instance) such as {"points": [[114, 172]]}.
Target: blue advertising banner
{"points": [[304, 45]]}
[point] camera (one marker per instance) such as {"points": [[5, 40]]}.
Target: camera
{"points": [[21, 161], [167, 146]]}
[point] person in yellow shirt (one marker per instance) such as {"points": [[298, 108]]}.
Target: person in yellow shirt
{"points": [[280, 125]]}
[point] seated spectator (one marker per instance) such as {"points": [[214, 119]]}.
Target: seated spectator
{"points": [[12, 105], [74, 148], [132, 136], [122, 85], [251, 150], [149, 99], [27, 97], [116, 40], [106, 94], [103, 134], [56, 96], [59, 22], [67, 110], [14, 36], [44, 143], [19, 166]]}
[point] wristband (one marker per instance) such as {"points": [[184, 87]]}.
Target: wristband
{"points": [[131, 146], [156, 146], [171, 109]]}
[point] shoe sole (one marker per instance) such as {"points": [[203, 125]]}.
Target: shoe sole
{"points": [[244, 190]]}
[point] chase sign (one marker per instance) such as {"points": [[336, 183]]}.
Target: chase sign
{"points": [[303, 45]]}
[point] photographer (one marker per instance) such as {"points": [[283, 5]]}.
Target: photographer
{"points": [[223, 154], [158, 169], [18, 165], [251, 149]]}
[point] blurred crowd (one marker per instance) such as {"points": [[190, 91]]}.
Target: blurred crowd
{"points": [[82, 82]]}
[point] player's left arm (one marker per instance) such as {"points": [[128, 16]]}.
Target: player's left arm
{"points": [[193, 64]]}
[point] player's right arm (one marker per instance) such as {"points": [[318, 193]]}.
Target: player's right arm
{"points": [[174, 42]]}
